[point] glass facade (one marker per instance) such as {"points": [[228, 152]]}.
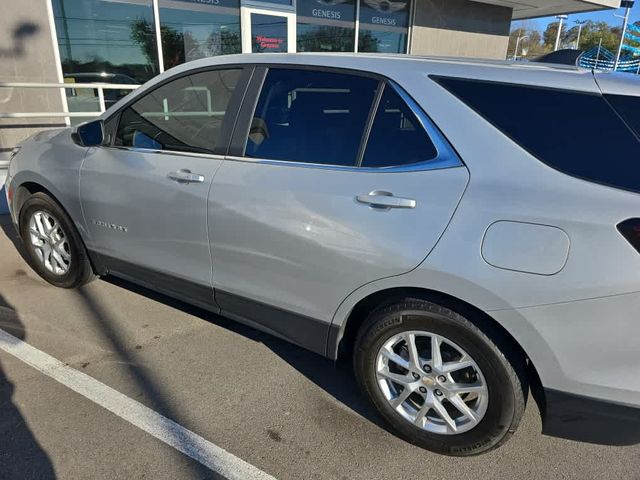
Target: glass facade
{"points": [[114, 41], [326, 25], [192, 30], [384, 26]]}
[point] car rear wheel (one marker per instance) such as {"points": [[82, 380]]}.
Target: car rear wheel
{"points": [[440, 381], [53, 246]]}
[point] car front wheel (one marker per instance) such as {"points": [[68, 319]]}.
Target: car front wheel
{"points": [[440, 381], [53, 246]]}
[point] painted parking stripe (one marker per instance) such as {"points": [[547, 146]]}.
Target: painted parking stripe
{"points": [[159, 426]]}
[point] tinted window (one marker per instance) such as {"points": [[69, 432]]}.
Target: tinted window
{"points": [[628, 108], [396, 137], [185, 114], [308, 116], [576, 133]]}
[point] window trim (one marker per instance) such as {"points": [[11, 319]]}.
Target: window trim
{"points": [[446, 156], [246, 73]]}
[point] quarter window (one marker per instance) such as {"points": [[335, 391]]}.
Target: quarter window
{"points": [[397, 137], [595, 145], [183, 115], [311, 116]]}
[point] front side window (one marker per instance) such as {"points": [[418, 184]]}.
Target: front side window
{"points": [[397, 137], [311, 116], [185, 114]]}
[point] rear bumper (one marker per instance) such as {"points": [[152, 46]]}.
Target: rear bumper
{"points": [[585, 419]]}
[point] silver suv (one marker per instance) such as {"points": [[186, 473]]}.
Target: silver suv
{"points": [[465, 231]]}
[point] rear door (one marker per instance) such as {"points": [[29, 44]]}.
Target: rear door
{"points": [[306, 210]]}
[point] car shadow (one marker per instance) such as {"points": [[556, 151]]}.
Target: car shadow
{"points": [[336, 378], [21, 456]]}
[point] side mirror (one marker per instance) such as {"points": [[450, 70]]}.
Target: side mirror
{"points": [[90, 134]]}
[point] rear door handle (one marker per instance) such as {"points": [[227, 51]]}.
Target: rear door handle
{"points": [[185, 176], [385, 200]]}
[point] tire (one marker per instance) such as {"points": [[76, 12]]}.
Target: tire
{"points": [[67, 264], [497, 375]]}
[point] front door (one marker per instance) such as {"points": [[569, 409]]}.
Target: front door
{"points": [[144, 196], [268, 31]]}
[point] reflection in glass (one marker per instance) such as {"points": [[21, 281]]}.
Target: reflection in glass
{"points": [[268, 33], [103, 36], [184, 115], [104, 41], [326, 25], [197, 30], [384, 26]]}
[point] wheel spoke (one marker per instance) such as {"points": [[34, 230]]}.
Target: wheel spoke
{"points": [[444, 415], [34, 231], [39, 224], [457, 365], [463, 408], [419, 420], [401, 398], [436, 354], [394, 377], [414, 358], [455, 388], [58, 259], [395, 358]]}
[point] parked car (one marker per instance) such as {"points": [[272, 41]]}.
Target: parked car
{"points": [[465, 231]]}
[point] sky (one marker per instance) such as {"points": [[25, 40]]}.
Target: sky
{"points": [[601, 16]]}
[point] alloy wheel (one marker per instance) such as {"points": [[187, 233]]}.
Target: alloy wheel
{"points": [[432, 382], [49, 242]]}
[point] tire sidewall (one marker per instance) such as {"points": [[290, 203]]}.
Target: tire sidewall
{"points": [[501, 410], [41, 202]]}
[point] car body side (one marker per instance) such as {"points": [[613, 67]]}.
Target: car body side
{"points": [[578, 325]]}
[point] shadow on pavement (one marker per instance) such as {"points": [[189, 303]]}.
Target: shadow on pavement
{"points": [[336, 379], [151, 389], [21, 456]]}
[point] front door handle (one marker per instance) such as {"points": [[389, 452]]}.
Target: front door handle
{"points": [[185, 176], [385, 200]]}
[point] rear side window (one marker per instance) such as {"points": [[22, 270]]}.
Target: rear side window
{"points": [[628, 108], [397, 137], [311, 116], [576, 133], [185, 114]]}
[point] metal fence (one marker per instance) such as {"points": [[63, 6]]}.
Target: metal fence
{"points": [[100, 87], [67, 115]]}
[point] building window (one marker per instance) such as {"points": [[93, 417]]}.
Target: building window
{"points": [[107, 42], [99, 38], [384, 26], [196, 29], [326, 25]]}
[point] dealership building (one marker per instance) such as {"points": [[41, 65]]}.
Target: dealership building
{"points": [[126, 42]]}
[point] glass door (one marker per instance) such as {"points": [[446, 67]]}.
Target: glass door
{"points": [[268, 31]]}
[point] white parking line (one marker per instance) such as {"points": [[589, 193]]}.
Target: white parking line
{"points": [[164, 429]]}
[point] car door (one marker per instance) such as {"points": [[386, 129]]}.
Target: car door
{"points": [[305, 211], [144, 194]]}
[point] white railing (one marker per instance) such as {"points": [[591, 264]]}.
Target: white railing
{"points": [[100, 87]]}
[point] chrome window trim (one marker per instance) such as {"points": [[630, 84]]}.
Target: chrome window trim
{"points": [[446, 156], [166, 152]]}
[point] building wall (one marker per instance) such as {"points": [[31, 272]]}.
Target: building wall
{"points": [[460, 28], [27, 55]]}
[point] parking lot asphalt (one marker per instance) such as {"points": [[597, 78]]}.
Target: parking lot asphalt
{"points": [[286, 411]]}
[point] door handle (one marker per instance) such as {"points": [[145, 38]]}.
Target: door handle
{"points": [[385, 200], [185, 176]]}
